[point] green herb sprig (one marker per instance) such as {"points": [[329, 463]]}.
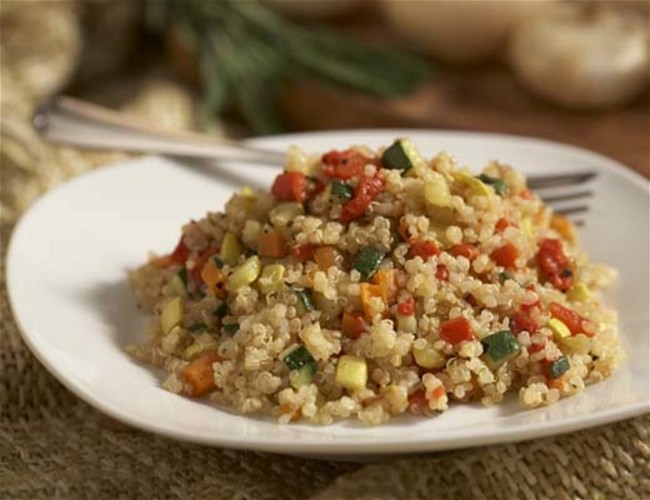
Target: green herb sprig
{"points": [[246, 50]]}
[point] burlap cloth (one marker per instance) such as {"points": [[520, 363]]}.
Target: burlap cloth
{"points": [[54, 445]]}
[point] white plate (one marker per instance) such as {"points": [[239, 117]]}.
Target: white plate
{"points": [[69, 256]]}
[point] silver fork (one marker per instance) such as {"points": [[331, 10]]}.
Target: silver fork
{"points": [[68, 121]]}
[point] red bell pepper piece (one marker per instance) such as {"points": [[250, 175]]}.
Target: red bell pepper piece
{"points": [[423, 249], [521, 321], [344, 164], [180, 253], [302, 252], [366, 191], [554, 264], [290, 186], [466, 250], [505, 255], [502, 224], [456, 330]]}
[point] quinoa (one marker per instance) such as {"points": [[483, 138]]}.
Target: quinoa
{"points": [[355, 289]]}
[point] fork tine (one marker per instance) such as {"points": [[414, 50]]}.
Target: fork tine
{"points": [[546, 181], [565, 197], [572, 210]]}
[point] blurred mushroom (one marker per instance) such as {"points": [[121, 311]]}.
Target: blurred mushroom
{"points": [[583, 58], [458, 31]]}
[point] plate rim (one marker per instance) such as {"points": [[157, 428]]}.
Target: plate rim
{"points": [[450, 439]]}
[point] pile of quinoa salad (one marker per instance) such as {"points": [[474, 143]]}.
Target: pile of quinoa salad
{"points": [[368, 284]]}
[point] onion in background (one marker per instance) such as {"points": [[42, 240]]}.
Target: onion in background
{"points": [[458, 31], [583, 57]]}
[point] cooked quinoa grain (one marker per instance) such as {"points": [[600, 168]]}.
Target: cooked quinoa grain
{"points": [[371, 284]]}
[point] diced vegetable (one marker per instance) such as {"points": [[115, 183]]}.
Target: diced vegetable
{"points": [[554, 264], [231, 328], [368, 293], [290, 186], [576, 323], [298, 357], [214, 278], [341, 191], [303, 376], [401, 155], [558, 367], [506, 256], [499, 186], [353, 324], [500, 347], [283, 213], [502, 224], [180, 253], [423, 249], [386, 279], [171, 315], [367, 262], [302, 252], [436, 192], [272, 244], [406, 308], [559, 329], [194, 272], [522, 321], [579, 293], [199, 374], [467, 250], [527, 224], [193, 350], [245, 274], [249, 196], [304, 303], [247, 192], [580, 344], [352, 372], [271, 279], [344, 164], [475, 185], [178, 283], [366, 191], [564, 227], [203, 343], [429, 358], [230, 249], [326, 257], [456, 330]]}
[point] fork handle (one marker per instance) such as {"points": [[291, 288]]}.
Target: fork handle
{"points": [[68, 121]]}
